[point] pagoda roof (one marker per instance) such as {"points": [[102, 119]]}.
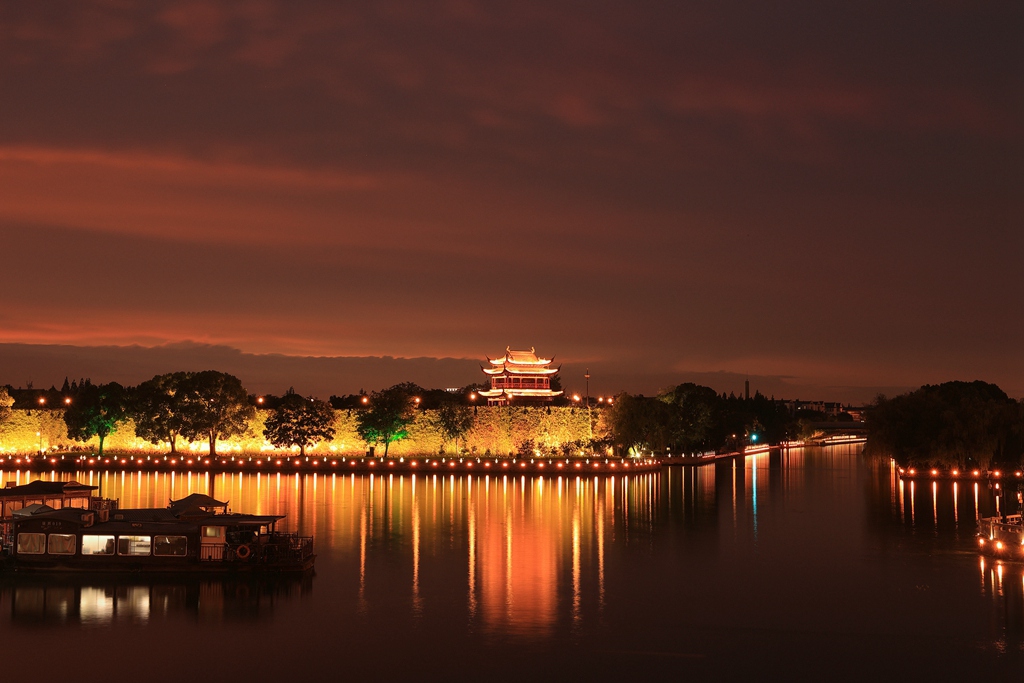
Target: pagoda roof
{"points": [[520, 358], [517, 391], [519, 370]]}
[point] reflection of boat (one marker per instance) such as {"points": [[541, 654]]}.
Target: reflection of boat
{"points": [[194, 534], [1002, 537], [100, 599]]}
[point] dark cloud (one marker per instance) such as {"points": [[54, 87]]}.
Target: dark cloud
{"points": [[817, 190]]}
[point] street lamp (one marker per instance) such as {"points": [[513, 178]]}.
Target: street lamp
{"points": [[590, 424]]}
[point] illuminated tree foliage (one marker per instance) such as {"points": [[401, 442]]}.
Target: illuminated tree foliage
{"points": [[387, 418], [299, 421], [453, 421], [214, 406], [158, 408], [96, 410], [5, 404]]}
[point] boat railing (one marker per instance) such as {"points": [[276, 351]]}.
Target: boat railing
{"points": [[1007, 528]]}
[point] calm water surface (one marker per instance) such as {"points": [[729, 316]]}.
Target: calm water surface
{"points": [[810, 564]]}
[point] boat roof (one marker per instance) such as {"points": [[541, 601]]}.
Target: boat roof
{"points": [[149, 519], [45, 488], [33, 509], [195, 500]]}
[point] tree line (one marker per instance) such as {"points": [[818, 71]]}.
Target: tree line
{"points": [[691, 418], [955, 424], [211, 405]]}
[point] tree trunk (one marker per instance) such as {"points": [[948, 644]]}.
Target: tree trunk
{"points": [[387, 442], [213, 443], [173, 440], [302, 450], [102, 437]]}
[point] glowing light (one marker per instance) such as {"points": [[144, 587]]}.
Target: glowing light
{"points": [[934, 472], [576, 397], [260, 400], [981, 541], [997, 473], [67, 401], [912, 471], [975, 472], [42, 401], [999, 545], [365, 400], [956, 473]]}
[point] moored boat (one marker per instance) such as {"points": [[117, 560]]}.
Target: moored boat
{"points": [[1002, 537], [195, 534]]}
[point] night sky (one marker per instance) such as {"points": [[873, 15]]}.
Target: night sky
{"points": [[825, 196]]}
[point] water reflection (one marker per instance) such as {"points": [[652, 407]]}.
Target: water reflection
{"points": [[45, 601], [702, 555]]}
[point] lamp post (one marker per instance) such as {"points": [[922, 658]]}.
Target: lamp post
{"points": [[42, 402], [590, 424]]}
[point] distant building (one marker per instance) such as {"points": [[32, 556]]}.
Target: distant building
{"points": [[519, 377]]}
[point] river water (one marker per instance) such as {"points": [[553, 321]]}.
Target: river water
{"points": [[809, 564]]}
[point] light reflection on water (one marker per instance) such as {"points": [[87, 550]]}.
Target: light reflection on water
{"points": [[683, 563]]}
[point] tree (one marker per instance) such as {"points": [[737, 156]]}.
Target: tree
{"points": [[96, 410], [453, 421], [387, 418], [158, 408], [696, 417], [952, 424], [299, 422], [639, 423], [215, 406], [5, 404]]}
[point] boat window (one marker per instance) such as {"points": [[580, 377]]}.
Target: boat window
{"points": [[213, 531], [170, 545], [97, 545], [61, 544], [31, 544], [134, 545]]}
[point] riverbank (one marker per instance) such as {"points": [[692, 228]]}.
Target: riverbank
{"points": [[72, 462]]}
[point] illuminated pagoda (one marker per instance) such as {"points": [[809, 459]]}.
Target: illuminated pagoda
{"points": [[520, 377]]}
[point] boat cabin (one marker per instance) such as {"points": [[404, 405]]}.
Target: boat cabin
{"points": [[196, 532]]}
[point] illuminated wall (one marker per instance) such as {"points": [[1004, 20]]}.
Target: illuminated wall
{"points": [[497, 431]]}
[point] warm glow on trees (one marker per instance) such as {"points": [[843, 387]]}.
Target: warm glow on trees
{"points": [[300, 422]]}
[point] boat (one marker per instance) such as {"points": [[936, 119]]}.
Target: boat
{"points": [[196, 534], [1002, 537]]}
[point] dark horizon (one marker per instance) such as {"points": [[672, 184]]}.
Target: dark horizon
{"points": [[48, 365]]}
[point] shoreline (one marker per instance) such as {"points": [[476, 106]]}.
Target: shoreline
{"points": [[306, 464]]}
